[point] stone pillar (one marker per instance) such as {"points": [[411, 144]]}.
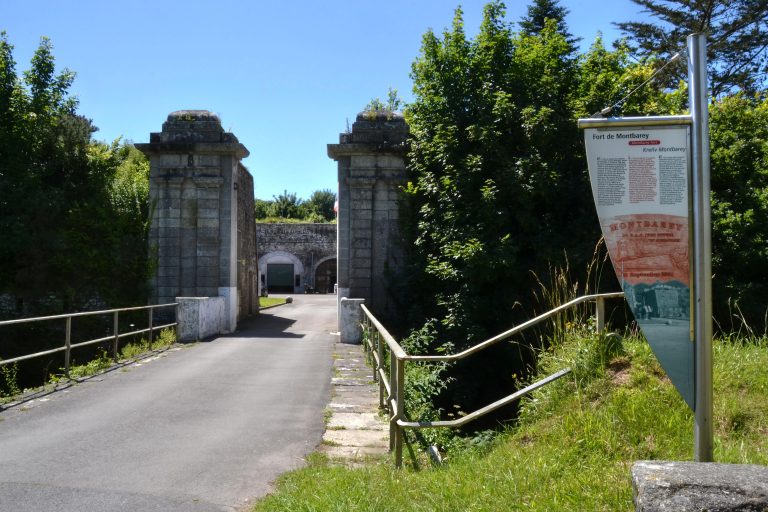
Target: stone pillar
{"points": [[350, 328], [195, 172], [371, 167]]}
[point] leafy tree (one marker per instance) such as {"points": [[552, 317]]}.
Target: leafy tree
{"points": [[263, 209], [606, 77], [288, 205], [130, 213], [497, 184], [739, 159], [59, 199], [542, 10], [737, 32], [321, 204]]}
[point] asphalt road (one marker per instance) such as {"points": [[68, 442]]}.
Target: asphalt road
{"points": [[205, 427]]}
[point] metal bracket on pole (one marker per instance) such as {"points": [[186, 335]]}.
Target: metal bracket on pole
{"points": [[702, 245]]}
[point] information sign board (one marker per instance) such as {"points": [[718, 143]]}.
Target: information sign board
{"points": [[640, 182]]}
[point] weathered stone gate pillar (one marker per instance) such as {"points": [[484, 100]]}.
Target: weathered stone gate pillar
{"points": [[371, 167], [202, 214]]}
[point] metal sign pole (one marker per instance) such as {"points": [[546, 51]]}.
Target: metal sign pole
{"points": [[702, 245]]}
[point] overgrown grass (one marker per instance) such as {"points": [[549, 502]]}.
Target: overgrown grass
{"points": [[104, 361], [573, 445], [265, 302]]}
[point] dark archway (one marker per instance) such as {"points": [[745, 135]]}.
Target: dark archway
{"points": [[325, 276]]}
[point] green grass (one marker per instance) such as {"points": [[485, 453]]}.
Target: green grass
{"points": [[129, 352], [573, 446], [265, 302]]}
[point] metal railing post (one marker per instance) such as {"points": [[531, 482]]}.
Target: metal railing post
{"points": [[373, 337], [399, 413], [600, 314], [67, 345], [151, 311], [380, 352], [116, 341], [392, 397]]}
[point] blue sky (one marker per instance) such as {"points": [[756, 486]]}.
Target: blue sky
{"points": [[284, 77]]}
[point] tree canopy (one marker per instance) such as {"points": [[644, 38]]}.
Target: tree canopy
{"points": [[289, 207], [737, 33], [63, 198]]}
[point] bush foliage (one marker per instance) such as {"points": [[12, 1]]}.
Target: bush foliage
{"points": [[73, 212]]}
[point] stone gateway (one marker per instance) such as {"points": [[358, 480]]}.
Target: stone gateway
{"points": [[202, 220]]}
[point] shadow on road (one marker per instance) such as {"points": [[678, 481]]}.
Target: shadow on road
{"points": [[267, 325]]}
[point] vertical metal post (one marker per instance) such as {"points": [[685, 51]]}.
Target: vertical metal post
{"points": [[380, 351], [702, 245], [392, 397], [373, 337], [600, 314], [399, 413], [115, 342], [68, 345], [151, 310]]}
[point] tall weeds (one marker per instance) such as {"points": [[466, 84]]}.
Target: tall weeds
{"points": [[562, 287]]}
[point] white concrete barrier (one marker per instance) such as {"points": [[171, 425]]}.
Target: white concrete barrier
{"points": [[350, 316], [201, 317]]}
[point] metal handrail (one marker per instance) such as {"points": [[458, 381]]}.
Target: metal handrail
{"points": [[114, 337], [391, 387]]}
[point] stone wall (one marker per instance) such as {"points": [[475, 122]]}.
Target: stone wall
{"points": [[371, 167], [305, 246], [195, 191], [247, 261]]}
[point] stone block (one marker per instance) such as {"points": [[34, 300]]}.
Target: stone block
{"points": [[362, 243], [207, 282], [212, 223], [361, 224], [350, 318], [206, 193], [206, 261], [168, 271], [661, 486], [208, 235], [360, 232], [188, 221], [207, 213], [363, 273], [208, 160], [360, 194], [200, 317], [188, 280], [167, 291], [171, 160], [188, 193], [207, 271], [358, 254], [169, 281], [208, 203], [169, 222], [363, 161], [363, 214]]}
